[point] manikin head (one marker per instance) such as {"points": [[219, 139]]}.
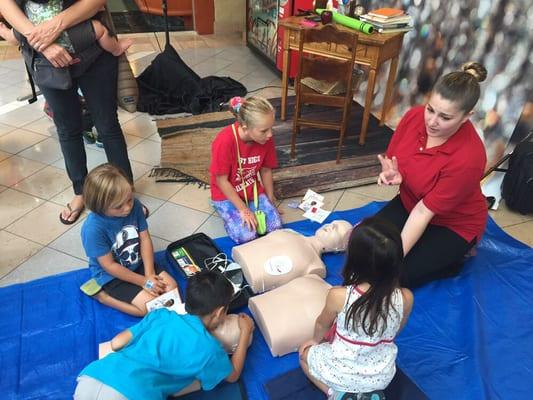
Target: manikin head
{"points": [[334, 236]]}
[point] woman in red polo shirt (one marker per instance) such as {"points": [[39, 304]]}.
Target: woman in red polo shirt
{"points": [[438, 159]]}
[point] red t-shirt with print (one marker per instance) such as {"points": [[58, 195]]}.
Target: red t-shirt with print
{"points": [[446, 177], [254, 156]]}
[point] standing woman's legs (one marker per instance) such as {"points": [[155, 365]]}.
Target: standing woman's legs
{"points": [[68, 121], [99, 86]]}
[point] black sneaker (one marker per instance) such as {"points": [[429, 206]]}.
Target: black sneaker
{"points": [[89, 137], [98, 141]]}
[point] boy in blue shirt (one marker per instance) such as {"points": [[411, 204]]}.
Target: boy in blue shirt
{"points": [[170, 354], [116, 239]]}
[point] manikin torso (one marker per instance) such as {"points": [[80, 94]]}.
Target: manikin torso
{"points": [[283, 255]]}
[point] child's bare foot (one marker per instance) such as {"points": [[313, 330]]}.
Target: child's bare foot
{"points": [[7, 34], [122, 46]]}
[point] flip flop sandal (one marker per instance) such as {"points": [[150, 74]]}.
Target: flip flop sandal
{"points": [[70, 222]]}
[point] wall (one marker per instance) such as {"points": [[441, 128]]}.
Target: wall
{"points": [[230, 16]]}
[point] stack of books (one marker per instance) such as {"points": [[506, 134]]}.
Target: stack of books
{"points": [[388, 20]]}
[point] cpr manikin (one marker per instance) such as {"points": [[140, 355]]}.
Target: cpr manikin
{"points": [[228, 333], [286, 315], [283, 255]]}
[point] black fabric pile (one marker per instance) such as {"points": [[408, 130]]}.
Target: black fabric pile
{"points": [[169, 86]]}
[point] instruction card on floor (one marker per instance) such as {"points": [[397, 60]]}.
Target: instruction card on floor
{"points": [[312, 205]]}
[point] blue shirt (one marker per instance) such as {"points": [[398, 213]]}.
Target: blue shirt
{"points": [[167, 353], [101, 234]]}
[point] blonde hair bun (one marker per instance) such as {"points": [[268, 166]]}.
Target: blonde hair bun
{"points": [[252, 110], [475, 69]]}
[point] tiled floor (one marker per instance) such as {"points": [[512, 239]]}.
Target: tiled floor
{"points": [[34, 185]]}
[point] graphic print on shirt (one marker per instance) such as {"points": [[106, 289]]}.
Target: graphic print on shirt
{"points": [[249, 173], [126, 247]]}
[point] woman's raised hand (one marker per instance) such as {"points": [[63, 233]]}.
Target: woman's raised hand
{"points": [[44, 34], [390, 175]]}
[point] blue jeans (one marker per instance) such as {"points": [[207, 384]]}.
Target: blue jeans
{"points": [[99, 86]]}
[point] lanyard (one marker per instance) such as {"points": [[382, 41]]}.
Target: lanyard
{"points": [[256, 201]]}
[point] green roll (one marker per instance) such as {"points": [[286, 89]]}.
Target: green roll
{"points": [[349, 22]]}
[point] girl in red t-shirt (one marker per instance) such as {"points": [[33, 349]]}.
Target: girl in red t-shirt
{"points": [[234, 184], [437, 158]]}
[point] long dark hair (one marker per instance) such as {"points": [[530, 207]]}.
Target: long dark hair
{"points": [[375, 256]]}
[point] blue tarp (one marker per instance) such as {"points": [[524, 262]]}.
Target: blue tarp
{"points": [[469, 337]]}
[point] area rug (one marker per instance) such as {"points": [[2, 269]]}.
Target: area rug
{"points": [[186, 147]]}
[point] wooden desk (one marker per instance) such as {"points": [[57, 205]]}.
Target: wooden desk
{"points": [[372, 50]]}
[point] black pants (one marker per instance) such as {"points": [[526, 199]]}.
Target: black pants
{"points": [[439, 253], [99, 87]]}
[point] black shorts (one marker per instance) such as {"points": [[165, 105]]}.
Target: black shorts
{"points": [[125, 291]]}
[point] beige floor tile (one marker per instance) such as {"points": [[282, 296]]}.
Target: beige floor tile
{"points": [[43, 126], [14, 204], [41, 224], [15, 250], [194, 197], [45, 183], [139, 169], [125, 116], [6, 129], [2, 188], [155, 138], [351, 200], [18, 140], [139, 47], [162, 190], [142, 126], [376, 192], [132, 141], [290, 214], [16, 168], [506, 217], [47, 151], [147, 152], [522, 232], [4, 155], [63, 198], [25, 114]]}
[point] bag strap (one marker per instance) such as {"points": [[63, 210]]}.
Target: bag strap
{"points": [[256, 199]]}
